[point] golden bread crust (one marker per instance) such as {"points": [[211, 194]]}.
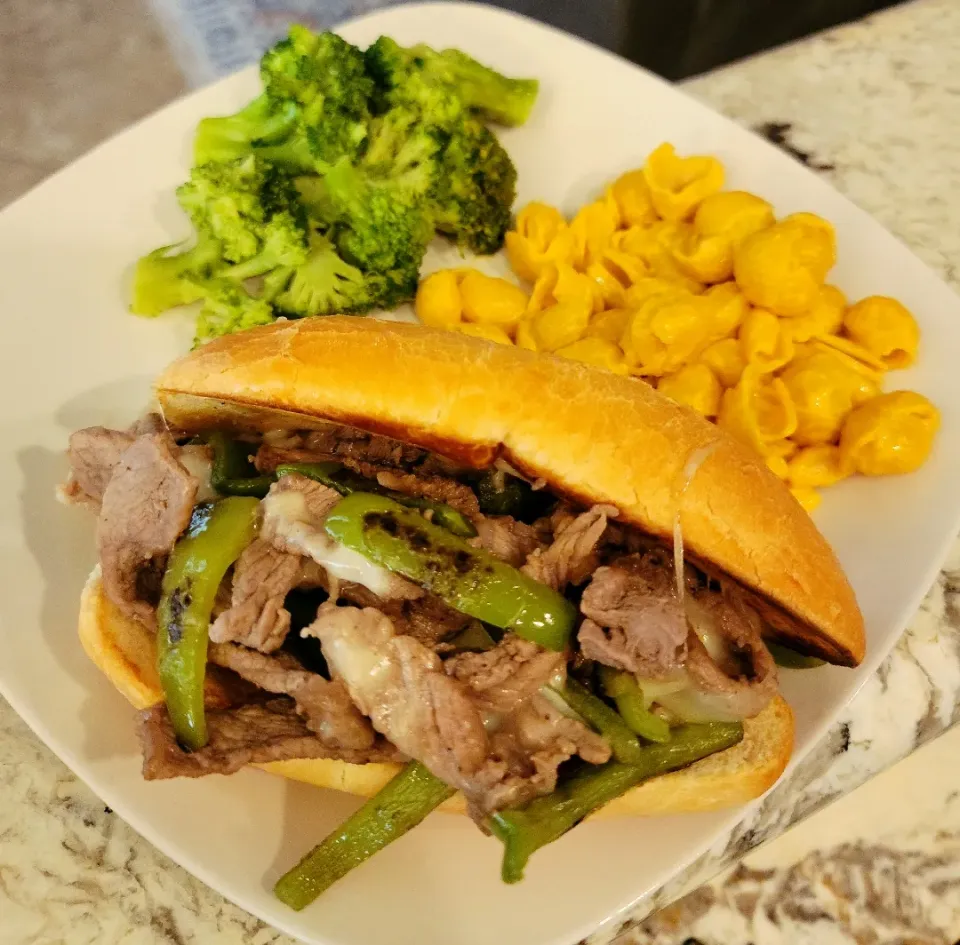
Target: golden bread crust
{"points": [[593, 436]]}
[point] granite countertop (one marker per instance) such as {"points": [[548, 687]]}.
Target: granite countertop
{"points": [[870, 106]]}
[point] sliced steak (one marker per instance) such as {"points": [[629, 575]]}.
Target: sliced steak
{"points": [[452, 724], [365, 453], [732, 674], [146, 505], [526, 752], [94, 453], [449, 491], [293, 515], [324, 705], [427, 619], [251, 734], [635, 620], [318, 499], [262, 578], [573, 555], [530, 737], [351, 443], [508, 539], [401, 686], [509, 674], [150, 422]]}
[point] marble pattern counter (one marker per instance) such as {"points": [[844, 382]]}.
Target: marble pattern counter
{"points": [[873, 106]]}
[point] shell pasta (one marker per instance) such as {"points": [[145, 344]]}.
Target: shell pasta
{"points": [[704, 294]]}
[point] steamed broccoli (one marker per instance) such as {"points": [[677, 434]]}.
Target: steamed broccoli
{"points": [[319, 71], [269, 126], [475, 188], [228, 307], [249, 222], [313, 111], [439, 96], [322, 194], [381, 224], [162, 280], [236, 201], [437, 82], [283, 244], [326, 284], [403, 147]]}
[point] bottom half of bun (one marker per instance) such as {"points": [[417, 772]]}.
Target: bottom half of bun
{"points": [[125, 652]]}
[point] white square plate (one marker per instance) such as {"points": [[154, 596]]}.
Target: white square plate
{"points": [[71, 357]]}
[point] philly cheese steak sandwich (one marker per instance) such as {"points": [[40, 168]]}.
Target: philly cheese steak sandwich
{"points": [[438, 572]]}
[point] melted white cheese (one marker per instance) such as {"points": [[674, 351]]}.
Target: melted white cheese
{"points": [[299, 529]]}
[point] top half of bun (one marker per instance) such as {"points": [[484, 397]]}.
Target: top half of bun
{"points": [[593, 436]]}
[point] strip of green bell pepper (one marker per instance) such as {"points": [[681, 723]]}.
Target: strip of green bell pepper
{"points": [[499, 493], [468, 579], [216, 536], [791, 659], [399, 806], [633, 708], [474, 638], [346, 483], [524, 830], [330, 474], [593, 710], [232, 473]]}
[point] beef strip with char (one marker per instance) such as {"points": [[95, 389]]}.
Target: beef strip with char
{"points": [[572, 556], [510, 540], [428, 620], [449, 491], [146, 506], [324, 704], [365, 453], [635, 621], [250, 734], [262, 578], [345, 441], [441, 718]]}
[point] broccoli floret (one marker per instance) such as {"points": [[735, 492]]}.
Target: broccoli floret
{"points": [[272, 130], [325, 284], [312, 67], [475, 189], [438, 81], [381, 224], [283, 245], [436, 100], [313, 111], [266, 124], [236, 201], [228, 307], [405, 149], [163, 281]]}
